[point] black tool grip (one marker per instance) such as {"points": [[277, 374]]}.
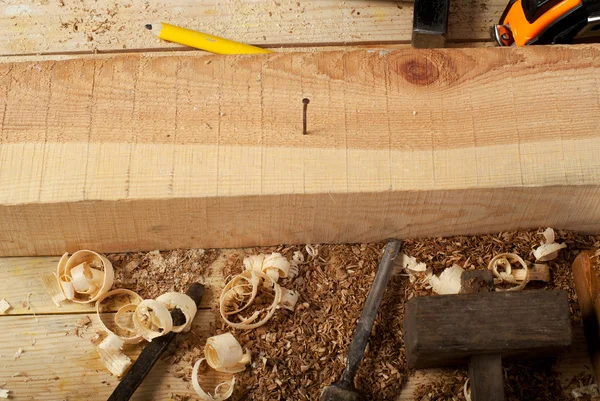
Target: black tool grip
{"points": [[152, 352], [369, 312]]}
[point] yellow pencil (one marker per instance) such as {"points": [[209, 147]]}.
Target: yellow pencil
{"points": [[201, 40]]}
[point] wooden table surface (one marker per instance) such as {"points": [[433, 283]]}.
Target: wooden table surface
{"points": [[55, 363]]}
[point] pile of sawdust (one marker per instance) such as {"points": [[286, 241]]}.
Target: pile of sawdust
{"points": [[297, 353], [154, 273]]}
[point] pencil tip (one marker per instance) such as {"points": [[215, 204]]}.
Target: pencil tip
{"points": [[149, 27]]}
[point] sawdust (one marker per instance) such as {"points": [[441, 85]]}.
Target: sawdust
{"points": [[154, 273], [297, 353]]}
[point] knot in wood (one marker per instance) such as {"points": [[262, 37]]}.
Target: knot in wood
{"points": [[420, 71]]}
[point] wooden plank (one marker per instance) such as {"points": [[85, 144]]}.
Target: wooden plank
{"points": [[56, 364], [137, 153], [90, 26], [73, 360], [22, 286]]}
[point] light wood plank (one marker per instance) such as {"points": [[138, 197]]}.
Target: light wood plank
{"points": [[59, 353], [22, 286], [61, 365], [87, 25], [137, 153]]}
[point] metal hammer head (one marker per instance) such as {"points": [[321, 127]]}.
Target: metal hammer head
{"points": [[341, 392]]}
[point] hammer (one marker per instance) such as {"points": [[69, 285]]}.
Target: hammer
{"points": [[483, 328], [344, 390]]}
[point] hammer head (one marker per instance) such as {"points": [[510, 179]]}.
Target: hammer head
{"points": [[340, 392], [449, 329]]}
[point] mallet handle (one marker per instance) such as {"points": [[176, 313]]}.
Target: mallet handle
{"points": [[487, 379]]}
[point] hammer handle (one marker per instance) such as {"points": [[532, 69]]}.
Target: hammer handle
{"points": [[487, 378], [369, 312]]}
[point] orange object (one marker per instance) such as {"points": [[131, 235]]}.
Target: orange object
{"points": [[523, 31]]}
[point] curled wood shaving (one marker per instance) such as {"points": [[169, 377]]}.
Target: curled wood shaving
{"points": [[184, 303], [448, 282], [120, 316], [312, 251], [152, 319], [224, 354], [83, 277], [506, 275], [222, 392], [235, 290], [254, 262], [274, 265], [548, 250], [111, 348], [4, 306]]}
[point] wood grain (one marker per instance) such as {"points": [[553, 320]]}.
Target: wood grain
{"points": [[486, 377], [138, 153], [446, 330], [60, 365], [80, 26]]}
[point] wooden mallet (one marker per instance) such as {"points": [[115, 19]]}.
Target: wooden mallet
{"points": [[481, 329]]}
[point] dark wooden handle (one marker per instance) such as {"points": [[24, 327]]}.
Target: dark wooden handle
{"points": [[485, 374]]}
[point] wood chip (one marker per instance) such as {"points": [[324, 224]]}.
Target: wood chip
{"points": [[18, 353], [4, 306], [84, 321]]}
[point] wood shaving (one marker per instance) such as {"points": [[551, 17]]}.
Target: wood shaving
{"points": [[449, 282], [182, 302], [232, 302], [548, 250], [18, 353], [82, 277], [4, 393], [112, 356], [152, 319], [4, 306], [502, 268], [222, 392], [224, 354], [410, 263], [84, 321]]}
